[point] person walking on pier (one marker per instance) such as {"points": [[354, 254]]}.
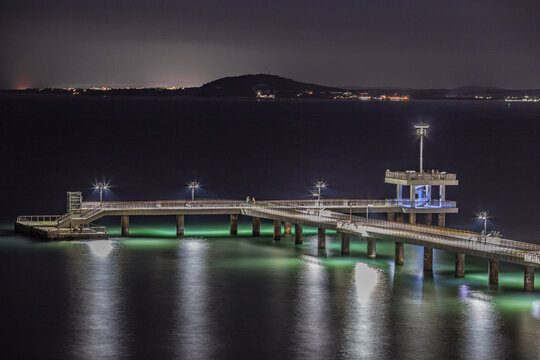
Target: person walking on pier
{"points": [[247, 200]]}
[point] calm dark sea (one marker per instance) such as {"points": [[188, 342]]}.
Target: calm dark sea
{"points": [[212, 296]]}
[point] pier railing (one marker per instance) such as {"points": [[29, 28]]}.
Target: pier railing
{"points": [[37, 218], [338, 203], [532, 258], [162, 204], [413, 175], [444, 236], [330, 203]]}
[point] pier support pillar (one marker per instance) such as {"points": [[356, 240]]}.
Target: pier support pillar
{"points": [[400, 257], [298, 234], [412, 218], [345, 242], [391, 216], [528, 279], [460, 265], [400, 218], [493, 271], [321, 238], [428, 259], [288, 228], [441, 220], [371, 248], [412, 196], [125, 225], [428, 219], [234, 224], [277, 230], [256, 227], [179, 225]]}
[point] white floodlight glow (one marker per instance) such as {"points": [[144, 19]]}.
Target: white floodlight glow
{"points": [[319, 185], [101, 186], [421, 130], [483, 216], [193, 185]]}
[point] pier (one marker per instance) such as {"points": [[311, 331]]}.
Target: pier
{"points": [[402, 225], [418, 194]]}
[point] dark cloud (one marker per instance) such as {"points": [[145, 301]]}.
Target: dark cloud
{"points": [[377, 43]]}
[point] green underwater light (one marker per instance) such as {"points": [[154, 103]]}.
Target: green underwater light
{"points": [[218, 229]]}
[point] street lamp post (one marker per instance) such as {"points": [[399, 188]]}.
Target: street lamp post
{"points": [[367, 211], [483, 216], [193, 185], [319, 185], [421, 130], [101, 187]]}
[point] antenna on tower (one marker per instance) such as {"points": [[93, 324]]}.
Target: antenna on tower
{"points": [[421, 130]]}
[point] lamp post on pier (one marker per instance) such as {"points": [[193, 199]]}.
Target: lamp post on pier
{"points": [[193, 185], [367, 211], [483, 216], [319, 185], [421, 130], [101, 186]]}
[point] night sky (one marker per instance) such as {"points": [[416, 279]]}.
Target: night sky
{"points": [[426, 43]]}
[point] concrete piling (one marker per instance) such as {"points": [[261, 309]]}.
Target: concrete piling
{"points": [[125, 225], [234, 224], [391, 216], [345, 244], [400, 257], [321, 238], [428, 219], [493, 271], [179, 225], [528, 278], [277, 230], [428, 259], [256, 227], [298, 234], [371, 248], [412, 218], [441, 220], [288, 228], [460, 265]]}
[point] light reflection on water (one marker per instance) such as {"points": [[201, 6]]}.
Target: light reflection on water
{"points": [[535, 310], [481, 324], [312, 311], [95, 298], [186, 298], [365, 337], [193, 326], [101, 248]]}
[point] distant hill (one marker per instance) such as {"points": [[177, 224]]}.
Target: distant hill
{"points": [[249, 85]]}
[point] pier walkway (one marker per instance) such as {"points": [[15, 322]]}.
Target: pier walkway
{"points": [[332, 214]]}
